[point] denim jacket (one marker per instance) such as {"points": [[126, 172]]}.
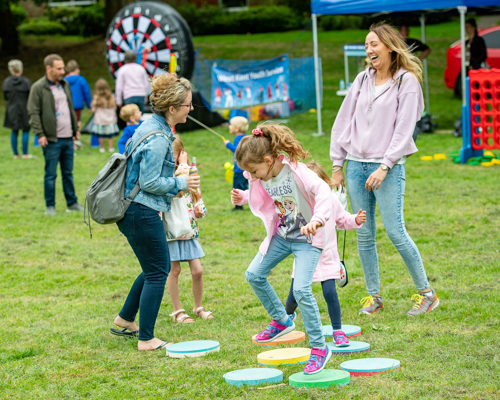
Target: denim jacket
{"points": [[153, 164]]}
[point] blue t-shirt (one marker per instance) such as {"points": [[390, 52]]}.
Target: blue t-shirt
{"points": [[233, 147], [128, 131]]}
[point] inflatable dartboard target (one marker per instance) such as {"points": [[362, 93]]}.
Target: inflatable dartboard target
{"points": [[157, 33]]}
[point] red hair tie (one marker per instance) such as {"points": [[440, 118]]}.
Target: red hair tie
{"points": [[257, 132]]}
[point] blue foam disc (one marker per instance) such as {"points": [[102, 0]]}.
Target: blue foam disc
{"points": [[349, 330], [254, 376], [369, 366], [354, 347], [195, 348]]}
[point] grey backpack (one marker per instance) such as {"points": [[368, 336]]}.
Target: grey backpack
{"points": [[105, 201]]}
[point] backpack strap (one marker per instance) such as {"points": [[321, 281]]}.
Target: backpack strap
{"points": [[401, 80], [137, 187]]}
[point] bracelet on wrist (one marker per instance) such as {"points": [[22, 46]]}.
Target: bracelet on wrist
{"points": [[337, 169]]}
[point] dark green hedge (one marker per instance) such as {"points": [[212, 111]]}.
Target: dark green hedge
{"points": [[41, 26], [82, 21]]}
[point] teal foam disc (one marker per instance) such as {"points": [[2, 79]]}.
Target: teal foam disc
{"points": [[354, 347], [369, 366], [349, 330], [254, 376], [195, 348]]}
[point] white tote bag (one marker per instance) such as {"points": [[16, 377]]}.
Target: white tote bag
{"points": [[176, 222]]}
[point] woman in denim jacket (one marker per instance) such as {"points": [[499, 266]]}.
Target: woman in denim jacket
{"points": [[152, 164]]}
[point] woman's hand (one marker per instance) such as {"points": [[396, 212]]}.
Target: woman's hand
{"points": [[338, 177], [310, 228], [193, 182], [361, 217], [235, 196], [375, 179], [183, 157]]}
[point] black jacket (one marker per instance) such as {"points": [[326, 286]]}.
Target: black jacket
{"points": [[477, 52], [16, 90]]}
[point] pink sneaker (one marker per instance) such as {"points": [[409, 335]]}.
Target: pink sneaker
{"points": [[340, 339], [274, 330], [318, 360]]}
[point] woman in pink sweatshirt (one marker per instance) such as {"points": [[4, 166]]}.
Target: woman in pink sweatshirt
{"points": [[373, 132], [275, 179]]}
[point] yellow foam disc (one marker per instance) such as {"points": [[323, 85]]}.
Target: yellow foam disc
{"points": [[489, 154], [495, 161], [289, 338], [487, 164], [288, 356], [440, 156], [426, 158]]}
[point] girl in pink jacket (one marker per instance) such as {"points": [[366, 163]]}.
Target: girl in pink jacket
{"points": [[273, 179], [328, 268]]}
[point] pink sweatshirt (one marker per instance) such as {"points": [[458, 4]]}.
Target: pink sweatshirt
{"points": [[329, 261], [314, 189], [380, 127], [132, 80]]}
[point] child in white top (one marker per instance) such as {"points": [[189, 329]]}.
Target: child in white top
{"points": [[271, 159], [328, 268], [186, 247], [105, 120]]}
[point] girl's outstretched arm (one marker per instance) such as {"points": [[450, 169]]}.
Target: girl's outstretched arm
{"points": [[361, 217]]}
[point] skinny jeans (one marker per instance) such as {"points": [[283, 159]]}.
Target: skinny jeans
{"points": [[24, 141]]}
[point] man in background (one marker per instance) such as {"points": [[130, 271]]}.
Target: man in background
{"points": [[415, 45]]}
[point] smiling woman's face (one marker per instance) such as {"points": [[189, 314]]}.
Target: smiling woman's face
{"points": [[377, 52]]}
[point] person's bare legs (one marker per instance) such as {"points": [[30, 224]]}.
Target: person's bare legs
{"points": [[197, 276], [121, 323], [101, 143], [173, 289], [110, 143]]}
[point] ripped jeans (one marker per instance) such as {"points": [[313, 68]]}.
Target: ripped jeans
{"points": [[306, 259]]}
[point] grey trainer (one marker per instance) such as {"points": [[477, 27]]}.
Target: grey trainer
{"points": [[371, 305], [50, 210], [424, 304], [74, 207]]}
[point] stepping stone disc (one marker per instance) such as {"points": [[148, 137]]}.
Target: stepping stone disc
{"points": [[288, 356], [354, 347], [370, 366], [349, 330], [253, 376], [289, 338], [325, 378], [194, 348]]}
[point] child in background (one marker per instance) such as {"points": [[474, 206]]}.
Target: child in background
{"points": [[131, 114], [105, 120], [328, 268], [80, 90], [237, 126], [187, 247], [270, 158]]}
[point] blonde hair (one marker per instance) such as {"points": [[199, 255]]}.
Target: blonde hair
{"points": [[103, 97], [275, 140], [71, 66], [167, 90], [177, 148], [316, 167], [239, 122], [128, 111], [15, 66], [401, 56]]}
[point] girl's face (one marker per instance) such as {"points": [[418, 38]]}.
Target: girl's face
{"points": [[265, 170], [289, 205], [377, 52]]}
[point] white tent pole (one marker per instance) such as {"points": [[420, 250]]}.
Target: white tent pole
{"points": [[426, 76], [316, 73], [462, 10]]}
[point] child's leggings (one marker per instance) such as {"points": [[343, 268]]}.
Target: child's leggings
{"points": [[25, 139], [331, 298]]}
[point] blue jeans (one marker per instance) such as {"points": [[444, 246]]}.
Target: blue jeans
{"points": [[143, 228], [25, 139], [306, 258], [138, 100], [61, 151], [390, 199]]}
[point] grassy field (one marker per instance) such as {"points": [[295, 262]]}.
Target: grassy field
{"points": [[60, 290]]}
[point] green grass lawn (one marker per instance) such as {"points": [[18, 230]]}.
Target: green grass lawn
{"points": [[60, 290]]}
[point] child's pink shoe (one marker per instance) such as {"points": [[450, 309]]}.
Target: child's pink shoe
{"points": [[275, 330], [340, 339], [318, 360]]}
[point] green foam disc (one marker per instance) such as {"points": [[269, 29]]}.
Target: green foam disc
{"points": [[323, 379]]}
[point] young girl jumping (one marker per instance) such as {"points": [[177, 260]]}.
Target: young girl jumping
{"points": [[105, 120], [186, 247], [328, 268], [270, 158]]}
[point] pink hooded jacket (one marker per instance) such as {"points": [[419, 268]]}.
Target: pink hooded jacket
{"points": [[313, 188], [378, 127]]}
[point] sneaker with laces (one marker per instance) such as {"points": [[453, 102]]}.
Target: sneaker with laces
{"points": [[371, 305], [318, 360], [74, 207], [424, 304], [293, 316], [50, 210], [340, 339], [275, 330]]}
